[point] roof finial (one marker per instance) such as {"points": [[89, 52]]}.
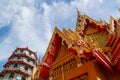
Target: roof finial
{"points": [[39, 60], [77, 9]]}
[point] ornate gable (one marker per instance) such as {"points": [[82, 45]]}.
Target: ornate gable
{"points": [[92, 40]]}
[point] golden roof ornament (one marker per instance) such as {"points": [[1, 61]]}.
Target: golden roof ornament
{"points": [[80, 22], [36, 71], [111, 29]]}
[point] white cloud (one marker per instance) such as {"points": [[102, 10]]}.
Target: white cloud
{"points": [[29, 28], [101, 1]]}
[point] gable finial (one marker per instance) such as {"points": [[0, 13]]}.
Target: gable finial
{"points": [[76, 8], [78, 12]]}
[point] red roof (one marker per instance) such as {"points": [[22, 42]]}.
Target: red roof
{"points": [[14, 70], [25, 49], [23, 55], [18, 61]]}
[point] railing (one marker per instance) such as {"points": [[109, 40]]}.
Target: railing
{"points": [[26, 55], [22, 70], [29, 63], [24, 60], [30, 56]]}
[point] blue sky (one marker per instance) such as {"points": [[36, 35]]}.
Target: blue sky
{"points": [[31, 22]]}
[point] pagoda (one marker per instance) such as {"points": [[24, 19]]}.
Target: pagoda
{"points": [[19, 65], [90, 52]]}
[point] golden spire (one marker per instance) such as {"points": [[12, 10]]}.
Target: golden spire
{"points": [[80, 22], [39, 63], [36, 70]]}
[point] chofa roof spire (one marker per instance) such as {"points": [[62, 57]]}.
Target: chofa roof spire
{"points": [[80, 22]]}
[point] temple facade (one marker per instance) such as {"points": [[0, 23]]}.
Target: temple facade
{"points": [[19, 65], [90, 52]]}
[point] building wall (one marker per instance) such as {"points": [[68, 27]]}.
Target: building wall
{"points": [[68, 66]]}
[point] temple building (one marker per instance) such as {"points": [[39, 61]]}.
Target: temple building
{"points": [[90, 52], [19, 65]]}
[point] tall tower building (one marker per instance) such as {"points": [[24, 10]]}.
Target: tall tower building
{"points": [[19, 65]]}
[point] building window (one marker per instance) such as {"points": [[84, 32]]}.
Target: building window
{"points": [[26, 68], [11, 75], [31, 62], [26, 52], [24, 59], [7, 75], [32, 55], [29, 70], [22, 67], [23, 78], [18, 51], [15, 66], [28, 60], [18, 58], [29, 53], [14, 58], [18, 76], [11, 66]]}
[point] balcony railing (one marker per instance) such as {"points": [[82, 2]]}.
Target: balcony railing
{"points": [[26, 55], [22, 60], [16, 69], [21, 68]]}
